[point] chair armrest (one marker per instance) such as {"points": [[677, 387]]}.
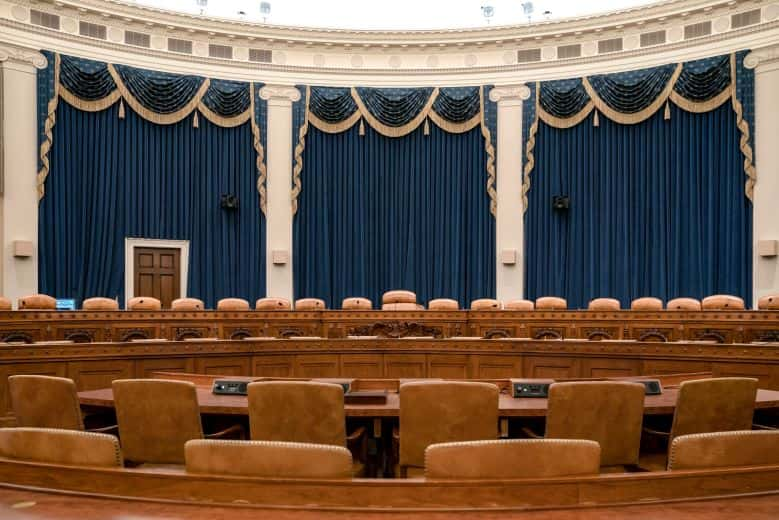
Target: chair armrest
{"points": [[356, 435], [658, 433], [756, 426], [111, 430], [530, 433], [395, 434], [233, 432]]}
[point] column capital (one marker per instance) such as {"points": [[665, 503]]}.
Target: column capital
{"points": [[762, 56], [510, 93], [280, 93], [23, 56]]}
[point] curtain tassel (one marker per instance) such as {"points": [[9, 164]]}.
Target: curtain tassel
{"points": [[121, 108], [667, 113], [595, 119], [195, 121], [427, 126], [362, 127]]}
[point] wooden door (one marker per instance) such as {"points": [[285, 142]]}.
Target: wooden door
{"points": [[157, 273]]}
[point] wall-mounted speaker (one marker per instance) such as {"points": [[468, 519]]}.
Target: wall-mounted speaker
{"points": [[560, 202], [229, 201]]}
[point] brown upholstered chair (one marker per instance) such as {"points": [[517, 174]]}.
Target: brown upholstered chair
{"points": [[683, 304], [603, 304], [398, 296], [770, 302], [400, 307], [47, 402], [356, 304], [100, 304], [646, 304], [486, 304], [310, 304], [37, 302], [722, 302], [515, 458], [63, 447], [232, 304], [270, 459], [608, 412], [273, 304], [519, 305], [724, 449], [156, 417], [5, 304], [187, 304], [443, 304], [551, 303], [432, 412], [144, 303]]}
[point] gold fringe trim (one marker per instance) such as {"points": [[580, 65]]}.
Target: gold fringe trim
{"points": [[531, 159], [395, 131], [743, 126], [667, 111], [490, 149], [297, 184], [637, 117], [195, 121], [121, 108], [225, 122], [160, 119], [455, 128], [334, 128], [703, 106], [427, 126], [560, 122], [51, 120], [595, 120], [362, 126], [89, 106], [262, 171]]}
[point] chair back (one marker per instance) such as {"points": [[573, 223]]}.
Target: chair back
{"points": [[273, 304], [37, 302], [156, 418], [67, 447], [310, 304], [45, 402], [551, 303], [144, 303], [486, 304], [646, 303], [432, 412], [724, 449], [5, 304], [268, 459], [770, 302], [232, 304], [722, 302], [297, 411], [398, 296], [714, 405], [683, 304], [99, 304], [519, 305], [603, 304], [187, 304], [443, 304], [515, 458], [607, 412], [356, 303]]}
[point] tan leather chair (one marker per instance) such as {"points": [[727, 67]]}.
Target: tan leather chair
{"points": [[37, 302], [310, 304], [156, 417], [486, 304], [63, 447], [770, 302], [232, 304], [551, 303], [724, 449], [187, 304], [45, 402], [603, 304], [144, 303], [432, 412], [443, 304], [683, 304], [607, 412], [398, 296], [646, 304], [400, 307], [722, 302], [515, 458], [356, 304], [519, 305], [5, 304], [100, 304], [273, 304], [268, 459]]}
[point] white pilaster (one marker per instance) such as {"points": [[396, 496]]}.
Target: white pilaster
{"points": [[19, 199], [509, 225], [765, 61], [279, 188]]}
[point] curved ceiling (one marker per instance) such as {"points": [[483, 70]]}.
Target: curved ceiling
{"points": [[395, 14]]}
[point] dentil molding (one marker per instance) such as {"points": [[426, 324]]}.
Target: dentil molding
{"points": [[22, 55]]}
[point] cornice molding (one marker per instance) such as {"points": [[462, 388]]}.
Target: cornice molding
{"points": [[22, 55], [515, 93], [284, 93], [762, 56]]}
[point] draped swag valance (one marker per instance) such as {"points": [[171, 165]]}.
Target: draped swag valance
{"points": [[633, 97], [395, 112], [158, 97]]}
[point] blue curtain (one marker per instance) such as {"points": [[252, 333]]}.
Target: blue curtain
{"points": [[379, 213], [113, 178], [656, 209]]}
